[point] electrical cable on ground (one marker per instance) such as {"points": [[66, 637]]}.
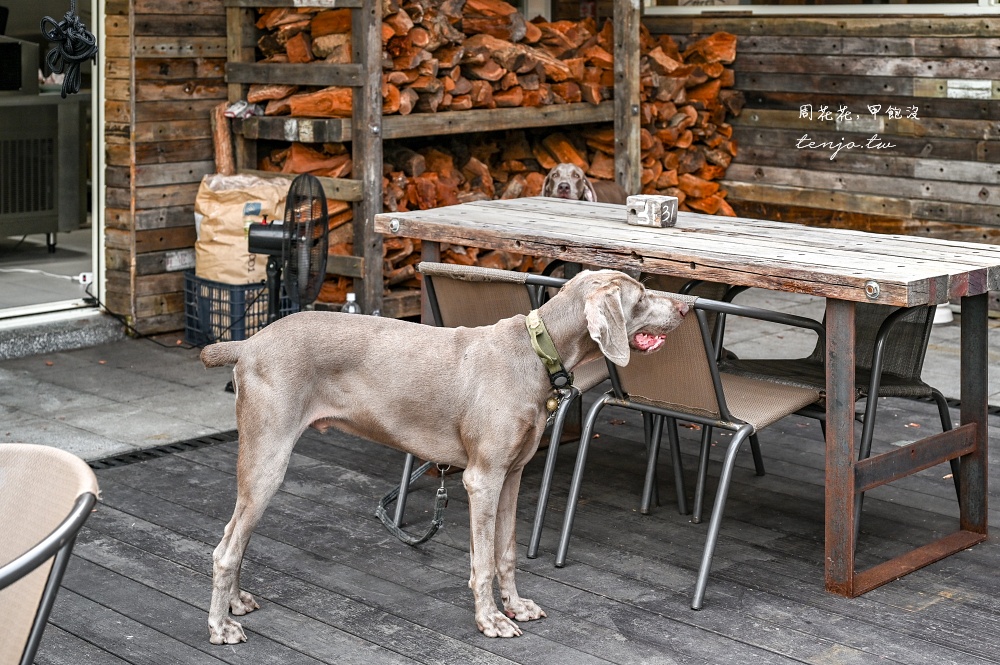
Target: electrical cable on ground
{"points": [[30, 271]]}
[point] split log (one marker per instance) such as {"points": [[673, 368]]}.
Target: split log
{"points": [[334, 48], [564, 151], [222, 140], [265, 92], [334, 21], [332, 102], [299, 48]]}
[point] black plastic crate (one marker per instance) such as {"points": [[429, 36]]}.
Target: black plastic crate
{"points": [[217, 312]]}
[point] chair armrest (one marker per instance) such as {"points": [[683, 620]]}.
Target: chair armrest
{"points": [[747, 311], [52, 543]]}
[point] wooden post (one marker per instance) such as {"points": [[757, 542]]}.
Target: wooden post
{"points": [[367, 152], [627, 151], [241, 35]]}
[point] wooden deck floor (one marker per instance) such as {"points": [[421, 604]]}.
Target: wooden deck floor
{"points": [[335, 587]]}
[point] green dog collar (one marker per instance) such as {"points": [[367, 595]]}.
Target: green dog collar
{"points": [[541, 342]]}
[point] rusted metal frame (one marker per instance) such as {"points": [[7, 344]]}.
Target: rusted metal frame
{"points": [[840, 362], [923, 454], [876, 576], [845, 478], [974, 481]]}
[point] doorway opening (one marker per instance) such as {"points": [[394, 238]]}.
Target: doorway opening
{"points": [[50, 242]]}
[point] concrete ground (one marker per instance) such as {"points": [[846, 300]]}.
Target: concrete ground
{"points": [[133, 394]]}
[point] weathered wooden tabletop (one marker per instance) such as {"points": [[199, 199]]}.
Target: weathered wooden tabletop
{"points": [[834, 263]]}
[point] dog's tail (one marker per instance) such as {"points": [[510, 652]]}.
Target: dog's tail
{"points": [[222, 353]]}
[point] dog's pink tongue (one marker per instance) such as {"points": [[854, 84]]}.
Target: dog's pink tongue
{"points": [[646, 342]]}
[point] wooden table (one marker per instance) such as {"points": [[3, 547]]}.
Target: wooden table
{"points": [[844, 267]]}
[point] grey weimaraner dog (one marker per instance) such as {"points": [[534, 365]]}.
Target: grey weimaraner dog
{"points": [[568, 181], [469, 397]]}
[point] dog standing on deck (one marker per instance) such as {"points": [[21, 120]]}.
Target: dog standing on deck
{"points": [[469, 397], [568, 181]]}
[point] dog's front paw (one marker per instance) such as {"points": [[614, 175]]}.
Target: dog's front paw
{"points": [[227, 632], [496, 624], [243, 604], [523, 609]]}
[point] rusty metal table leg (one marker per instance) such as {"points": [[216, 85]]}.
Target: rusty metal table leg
{"points": [[840, 334], [845, 477], [974, 367]]}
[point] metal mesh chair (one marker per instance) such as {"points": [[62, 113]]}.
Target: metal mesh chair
{"points": [[683, 381], [472, 296], [716, 323], [891, 344], [46, 494], [653, 424]]}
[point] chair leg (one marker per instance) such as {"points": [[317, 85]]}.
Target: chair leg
{"points": [[946, 424], [653, 454], [675, 458], [864, 452], [713, 528], [404, 489], [574, 487], [758, 459], [550, 467], [699, 490]]}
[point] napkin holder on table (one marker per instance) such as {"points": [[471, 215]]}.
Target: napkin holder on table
{"points": [[651, 210]]}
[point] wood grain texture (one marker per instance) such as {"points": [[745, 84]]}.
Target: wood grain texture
{"points": [[427, 124], [165, 72], [826, 262], [937, 166], [337, 588]]}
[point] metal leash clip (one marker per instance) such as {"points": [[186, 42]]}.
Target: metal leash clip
{"points": [[442, 493]]}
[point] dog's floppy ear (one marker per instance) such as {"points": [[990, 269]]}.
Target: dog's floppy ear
{"points": [[549, 183], [588, 191], [606, 323]]}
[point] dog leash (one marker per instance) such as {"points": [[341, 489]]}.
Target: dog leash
{"points": [[440, 503]]}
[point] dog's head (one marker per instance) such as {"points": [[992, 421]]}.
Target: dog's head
{"points": [[622, 316], [568, 181]]}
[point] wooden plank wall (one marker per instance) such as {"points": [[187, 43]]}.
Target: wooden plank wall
{"points": [[165, 64], [944, 166]]}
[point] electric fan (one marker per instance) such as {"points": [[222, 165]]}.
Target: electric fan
{"points": [[299, 243]]}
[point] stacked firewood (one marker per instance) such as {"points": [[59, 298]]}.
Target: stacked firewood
{"points": [[686, 97], [448, 172], [441, 55], [453, 55]]}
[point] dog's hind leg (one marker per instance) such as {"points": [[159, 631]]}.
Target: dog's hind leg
{"points": [[520, 609], [484, 487], [260, 470]]}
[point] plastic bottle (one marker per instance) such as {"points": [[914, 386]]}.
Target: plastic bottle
{"points": [[351, 306]]}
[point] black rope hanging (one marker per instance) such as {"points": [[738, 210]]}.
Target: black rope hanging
{"points": [[73, 47]]}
